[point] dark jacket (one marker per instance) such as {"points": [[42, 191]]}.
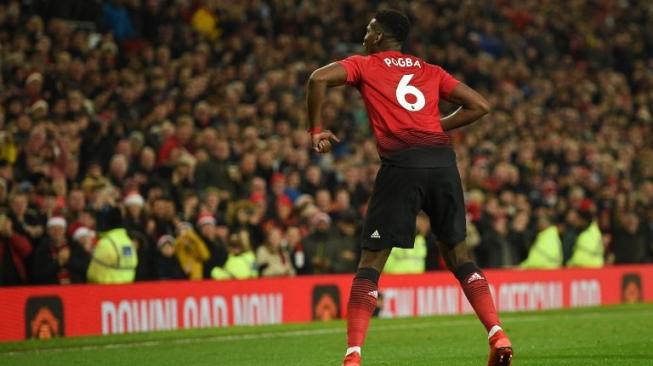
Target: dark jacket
{"points": [[45, 268], [14, 251]]}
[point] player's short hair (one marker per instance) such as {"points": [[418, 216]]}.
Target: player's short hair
{"points": [[394, 22]]}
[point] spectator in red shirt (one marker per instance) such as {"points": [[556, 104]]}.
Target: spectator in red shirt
{"points": [[14, 251]]}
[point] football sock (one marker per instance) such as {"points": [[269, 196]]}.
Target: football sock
{"points": [[362, 302], [351, 350], [478, 294]]}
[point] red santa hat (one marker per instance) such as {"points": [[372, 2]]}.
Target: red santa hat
{"points": [[133, 198], [205, 218], [81, 232], [56, 221]]}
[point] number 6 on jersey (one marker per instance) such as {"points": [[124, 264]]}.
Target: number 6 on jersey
{"points": [[404, 89]]}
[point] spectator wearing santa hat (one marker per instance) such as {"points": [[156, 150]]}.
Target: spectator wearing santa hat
{"points": [[316, 246], [51, 258], [135, 218], [166, 264], [81, 249], [206, 226]]}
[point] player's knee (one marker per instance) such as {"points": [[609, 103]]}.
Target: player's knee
{"points": [[457, 256], [374, 259]]}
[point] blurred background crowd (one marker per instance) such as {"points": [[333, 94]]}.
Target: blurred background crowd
{"points": [[181, 125]]}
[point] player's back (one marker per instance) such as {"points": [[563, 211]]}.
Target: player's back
{"points": [[401, 94]]}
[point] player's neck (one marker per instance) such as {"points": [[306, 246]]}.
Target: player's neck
{"points": [[388, 49]]}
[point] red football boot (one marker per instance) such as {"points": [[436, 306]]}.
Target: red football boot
{"points": [[352, 359], [500, 350]]}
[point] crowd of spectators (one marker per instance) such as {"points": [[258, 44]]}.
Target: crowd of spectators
{"points": [[189, 117]]}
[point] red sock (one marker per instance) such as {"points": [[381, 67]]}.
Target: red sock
{"points": [[478, 293], [362, 302]]}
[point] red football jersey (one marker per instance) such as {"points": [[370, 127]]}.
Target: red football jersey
{"points": [[401, 94]]}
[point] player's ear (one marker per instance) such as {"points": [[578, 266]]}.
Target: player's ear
{"points": [[379, 38]]}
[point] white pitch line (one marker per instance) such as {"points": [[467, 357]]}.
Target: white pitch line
{"points": [[298, 333]]}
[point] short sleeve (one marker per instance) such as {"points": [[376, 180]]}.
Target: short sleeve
{"points": [[447, 83], [354, 67]]}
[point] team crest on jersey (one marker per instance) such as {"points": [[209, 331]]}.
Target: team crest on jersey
{"points": [[402, 62]]}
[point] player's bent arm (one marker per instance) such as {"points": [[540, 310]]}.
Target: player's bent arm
{"points": [[330, 75], [473, 106]]}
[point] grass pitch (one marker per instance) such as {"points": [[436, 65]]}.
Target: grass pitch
{"points": [[619, 335]]}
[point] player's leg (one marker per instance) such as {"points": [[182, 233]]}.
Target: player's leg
{"points": [[390, 221], [476, 289], [362, 298], [473, 282], [446, 209]]}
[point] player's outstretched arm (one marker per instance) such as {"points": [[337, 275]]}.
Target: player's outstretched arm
{"points": [[330, 75], [473, 106]]}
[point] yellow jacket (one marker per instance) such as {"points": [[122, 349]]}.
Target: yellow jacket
{"points": [[239, 267], [588, 250], [192, 252], [405, 260], [546, 252], [114, 259]]}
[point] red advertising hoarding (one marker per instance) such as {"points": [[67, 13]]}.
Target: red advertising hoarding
{"points": [[35, 312]]}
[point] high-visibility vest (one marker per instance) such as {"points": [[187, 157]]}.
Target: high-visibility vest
{"points": [[407, 260], [588, 249], [239, 267], [546, 252], [114, 258]]}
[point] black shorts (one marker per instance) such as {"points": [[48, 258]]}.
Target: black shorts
{"points": [[400, 193]]}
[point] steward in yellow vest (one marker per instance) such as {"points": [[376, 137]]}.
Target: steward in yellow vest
{"points": [[241, 263], [546, 251], [405, 260], [114, 258], [588, 250]]}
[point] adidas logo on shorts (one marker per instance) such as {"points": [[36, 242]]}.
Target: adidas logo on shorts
{"points": [[374, 294], [375, 235]]}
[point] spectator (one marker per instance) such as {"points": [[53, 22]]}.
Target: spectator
{"points": [[24, 220], [241, 262], [135, 218], [81, 249], [14, 251], [214, 172], [191, 251], [410, 260], [166, 264], [345, 246], [115, 258], [273, 258], [51, 258], [220, 89], [546, 251], [588, 249], [318, 253], [629, 241], [208, 231]]}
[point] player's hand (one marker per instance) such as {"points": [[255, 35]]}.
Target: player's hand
{"points": [[322, 141]]}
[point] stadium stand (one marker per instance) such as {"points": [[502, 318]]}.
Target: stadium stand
{"points": [[189, 117]]}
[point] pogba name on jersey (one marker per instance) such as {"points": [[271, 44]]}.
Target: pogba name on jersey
{"points": [[402, 62]]}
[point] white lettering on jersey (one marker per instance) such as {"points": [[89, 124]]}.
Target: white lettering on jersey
{"points": [[402, 62]]}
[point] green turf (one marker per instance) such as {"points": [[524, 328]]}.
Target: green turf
{"points": [[620, 335]]}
